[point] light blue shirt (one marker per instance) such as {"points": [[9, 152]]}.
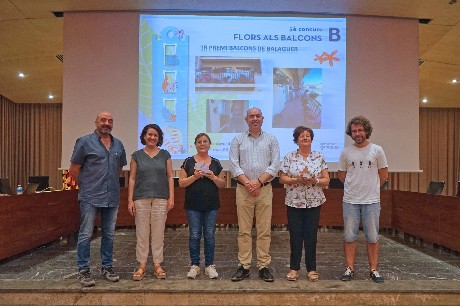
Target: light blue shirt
{"points": [[98, 181], [253, 156]]}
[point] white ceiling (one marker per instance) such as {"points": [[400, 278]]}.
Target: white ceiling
{"points": [[31, 37]]}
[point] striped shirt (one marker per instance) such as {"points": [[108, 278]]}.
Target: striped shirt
{"points": [[253, 156]]}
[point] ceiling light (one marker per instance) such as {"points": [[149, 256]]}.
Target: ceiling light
{"points": [[425, 100], [454, 81], [21, 75], [50, 97]]}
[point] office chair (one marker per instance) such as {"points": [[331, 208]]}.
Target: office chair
{"points": [[335, 183], [435, 187]]}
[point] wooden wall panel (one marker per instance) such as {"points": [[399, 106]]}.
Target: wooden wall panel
{"points": [[413, 215], [433, 218], [29, 221], [448, 209], [331, 211]]}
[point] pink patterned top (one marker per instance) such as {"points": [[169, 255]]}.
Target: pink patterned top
{"points": [[299, 195]]}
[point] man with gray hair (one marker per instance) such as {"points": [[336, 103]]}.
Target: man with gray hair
{"points": [[254, 162]]}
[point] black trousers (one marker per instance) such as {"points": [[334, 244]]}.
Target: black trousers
{"points": [[303, 231]]}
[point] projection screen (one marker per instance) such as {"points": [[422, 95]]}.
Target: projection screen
{"points": [[376, 76]]}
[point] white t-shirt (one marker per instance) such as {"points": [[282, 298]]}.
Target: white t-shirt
{"points": [[362, 182]]}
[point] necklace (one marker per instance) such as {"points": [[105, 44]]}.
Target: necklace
{"points": [[201, 160]]}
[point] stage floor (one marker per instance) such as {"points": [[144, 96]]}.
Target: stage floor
{"points": [[408, 267]]}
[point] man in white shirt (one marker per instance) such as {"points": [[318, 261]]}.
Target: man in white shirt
{"points": [[363, 169]]}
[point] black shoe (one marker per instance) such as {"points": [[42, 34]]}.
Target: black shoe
{"points": [[265, 274], [376, 277], [348, 275], [109, 275], [240, 274], [85, 278]]}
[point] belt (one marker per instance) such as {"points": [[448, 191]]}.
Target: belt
{"points": [[263, 184]]}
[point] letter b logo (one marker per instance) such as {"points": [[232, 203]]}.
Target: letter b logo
{"points": [[334, 34]]}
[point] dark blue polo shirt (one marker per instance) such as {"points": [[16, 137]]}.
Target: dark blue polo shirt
{"points": [[98, 181]]}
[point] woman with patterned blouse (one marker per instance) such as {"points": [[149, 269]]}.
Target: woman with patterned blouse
{"points": [[305, 172]]}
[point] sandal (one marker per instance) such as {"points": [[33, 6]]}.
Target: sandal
{"points": [[159, 272], [139, 274], [313, 276], [293, 275]]}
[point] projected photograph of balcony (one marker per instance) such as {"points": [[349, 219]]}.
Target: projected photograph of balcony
{"points": [[226, 73], [297, 97]]}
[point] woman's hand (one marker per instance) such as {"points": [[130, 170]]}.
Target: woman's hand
{"points": [[306, 180], [209, 174], [198, 174], [170, 204], [312, 181], [300, 180], [131, 207]]}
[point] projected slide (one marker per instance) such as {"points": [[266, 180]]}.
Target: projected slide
{"points": [[202, 73]]}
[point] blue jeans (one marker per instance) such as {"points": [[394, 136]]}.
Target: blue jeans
{"points": [[108, 219], [202, 223], [370, 215]]}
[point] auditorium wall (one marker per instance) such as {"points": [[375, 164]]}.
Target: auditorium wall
{"points": [[439, 152]]}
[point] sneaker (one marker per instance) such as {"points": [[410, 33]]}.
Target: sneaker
{"points": [[194, 271], [265, 274], [348, 275], [376, 276], [211, 271], [240, 274], [109, 275], [85, 278]]}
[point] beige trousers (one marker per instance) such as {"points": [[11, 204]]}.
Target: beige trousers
{"points": [[150, 220], [248, 207]]}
